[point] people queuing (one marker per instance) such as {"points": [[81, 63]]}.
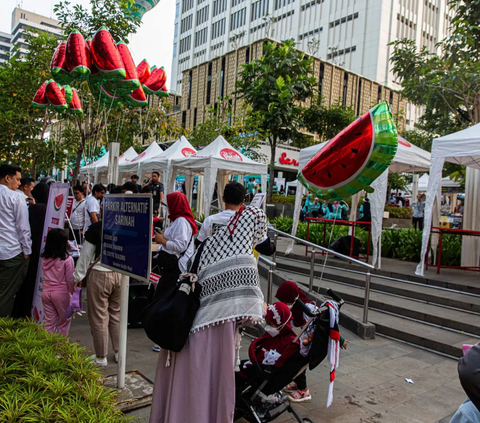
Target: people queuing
{"points": [[92, 208], [77, 216], [15, 240]]}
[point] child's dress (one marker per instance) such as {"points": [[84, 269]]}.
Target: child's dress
{"points": [[57, 292]]}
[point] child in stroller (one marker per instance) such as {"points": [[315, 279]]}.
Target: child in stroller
{"points": [[258, 387]]}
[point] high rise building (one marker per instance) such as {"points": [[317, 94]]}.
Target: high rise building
{"points": [[23, 20], [354, 34], [5, 46]]}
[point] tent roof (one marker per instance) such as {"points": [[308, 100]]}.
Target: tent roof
{"points": [[221, 155], [462, 147], [409, 157], [131, 166], [126, 157], [102, 162], [423, 183], [178, 150]]}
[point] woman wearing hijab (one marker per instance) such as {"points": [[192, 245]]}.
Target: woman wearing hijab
{"points": [[176, 241], [36, 217], [199, 384], [307, 208]]}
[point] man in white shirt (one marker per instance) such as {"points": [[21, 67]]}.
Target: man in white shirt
{"points": [[15, 241], [92, 208], [77, 218], [25, 189]]}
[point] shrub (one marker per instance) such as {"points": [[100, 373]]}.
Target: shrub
{"points": [[283, 199], [283, 223], [399, 212], [45, 378]]}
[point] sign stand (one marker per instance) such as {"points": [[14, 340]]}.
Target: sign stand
{"points": [[122, 348]]}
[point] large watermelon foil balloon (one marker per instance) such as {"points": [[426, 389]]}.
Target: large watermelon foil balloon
{"points": [[354, 158], [139, 7]]}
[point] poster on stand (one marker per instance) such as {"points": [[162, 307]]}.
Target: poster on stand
{"points": [[258, 200], [54, 218]]}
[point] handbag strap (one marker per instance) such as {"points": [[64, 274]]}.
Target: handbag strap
{"points": [[196, 261], [188, 245]]}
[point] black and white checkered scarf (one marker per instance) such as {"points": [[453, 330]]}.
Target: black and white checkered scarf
{"points": [[228, 271]]}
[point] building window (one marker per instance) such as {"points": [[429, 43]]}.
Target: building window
{"points": [[341, 52], [189, 98], [177, 10], [247, 55], [186, 24], [185, 44], [186, 5], [310, 4], [359, 96], [348, 18], [259, 9], [175, 31], [219, 6], [174, 49], [194, 117], [202, 15], [236, 2], [311, 33], [201, 37], [238, 19], [320, 78], [391, 98], [184, 119], [209, 83], [222, 78], [379, 95], [345, 89], [218, 28], [283, 3]]}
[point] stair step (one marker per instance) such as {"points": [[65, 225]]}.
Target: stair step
{"points": [[426, 293]]}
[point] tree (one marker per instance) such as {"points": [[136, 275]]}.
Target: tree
{"points": [[239, 129], [326, 122], [23, 129], [275, 85]]}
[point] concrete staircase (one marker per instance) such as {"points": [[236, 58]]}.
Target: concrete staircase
{"points": [[439, 315]]}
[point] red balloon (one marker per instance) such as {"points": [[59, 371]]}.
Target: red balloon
{"points": [[55, 96], [163, 92], [75, 105], [156, 81], [137, 98], [106, 55], [93, 67], [40, 100], [130, 82], [143, 70], [78, 56], [58, 66]]}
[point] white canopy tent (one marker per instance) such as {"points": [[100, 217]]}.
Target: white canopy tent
{"points": [[463, 148], [133, 166], [216, 162], [90, 168], [423, 183], [101, 169], [408, 158], [163, 161]]}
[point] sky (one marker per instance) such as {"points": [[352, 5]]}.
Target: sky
{"points": [[153, 40]]}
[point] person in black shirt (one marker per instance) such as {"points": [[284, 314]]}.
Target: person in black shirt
{"points": [[157, 189], [135, 179]]}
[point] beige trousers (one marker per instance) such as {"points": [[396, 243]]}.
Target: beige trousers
{"points": [[103, 293]]}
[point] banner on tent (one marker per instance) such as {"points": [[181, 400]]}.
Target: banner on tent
{"points": [[127, 234], [54, 218]]}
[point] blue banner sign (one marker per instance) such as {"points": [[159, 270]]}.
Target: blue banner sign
{"points": [[127, 234]]}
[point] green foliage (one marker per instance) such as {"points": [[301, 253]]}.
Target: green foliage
{"points": [[451, 250], [326, 122], [44, 378], [399, 212], [275, 85], [283, 199], [283, 223]]}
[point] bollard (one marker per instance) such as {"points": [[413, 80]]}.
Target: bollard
{"points": [[275, 239], [312, 270], [270, 285], [367, 297]]}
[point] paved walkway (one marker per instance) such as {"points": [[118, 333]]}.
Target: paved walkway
{"points": [[370, 385]]}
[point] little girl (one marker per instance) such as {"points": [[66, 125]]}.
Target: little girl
{"points": [[58, 283]]}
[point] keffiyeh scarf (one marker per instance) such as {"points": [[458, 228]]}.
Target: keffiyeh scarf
{"points": [[333, 354], [228, 271]]}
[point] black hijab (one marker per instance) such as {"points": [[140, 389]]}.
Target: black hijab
{"points": [[40, 193]]}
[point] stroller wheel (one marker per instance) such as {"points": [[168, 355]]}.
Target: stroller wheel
{"points": [[307, 421]]}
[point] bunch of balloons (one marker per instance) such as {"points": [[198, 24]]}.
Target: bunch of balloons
{"points": [[109, 69], [140, 7]]}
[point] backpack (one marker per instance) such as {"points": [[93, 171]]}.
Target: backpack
{"points": [[168, 319]]}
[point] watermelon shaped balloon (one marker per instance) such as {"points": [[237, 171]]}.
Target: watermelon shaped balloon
{"points": [[93, 67], [78, 56], [156, 81], [143, 71], [75, 106], [163, 92], [139, 7], [55, 96], [137, 98], [40, 100], [354, 158], [106, 56], [67, 93], [108, 99], [130, 82], [59, 67]]}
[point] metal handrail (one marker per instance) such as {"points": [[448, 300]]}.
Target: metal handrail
{"points": [[272, 265], [368, 275]]}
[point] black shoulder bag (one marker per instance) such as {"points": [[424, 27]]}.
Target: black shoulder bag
{"points": [[168, 319]]}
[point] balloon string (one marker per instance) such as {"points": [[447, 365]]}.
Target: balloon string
{"points": [[120, 124], [329, 242]]}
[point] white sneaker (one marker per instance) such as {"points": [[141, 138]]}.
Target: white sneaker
{"points": [[116, 357], [101, 362]]}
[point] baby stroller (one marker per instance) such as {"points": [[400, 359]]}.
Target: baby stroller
{"points": [[267, 381]]}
